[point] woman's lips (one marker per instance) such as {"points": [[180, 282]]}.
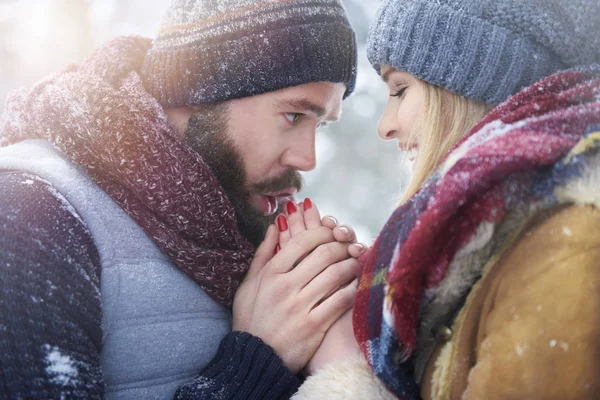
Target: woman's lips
{"points": [[412, 154], [410, 149]]}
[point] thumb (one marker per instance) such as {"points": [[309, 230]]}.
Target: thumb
{"points": [[265, 252]]}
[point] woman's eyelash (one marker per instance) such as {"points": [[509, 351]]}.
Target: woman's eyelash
{"points": [[399, 93]]}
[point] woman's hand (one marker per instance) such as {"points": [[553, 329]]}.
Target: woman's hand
{"points": [[339, 344], [305, 216]]}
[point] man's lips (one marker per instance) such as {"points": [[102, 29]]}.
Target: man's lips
{"points": [[283, 193], [268, 203]]}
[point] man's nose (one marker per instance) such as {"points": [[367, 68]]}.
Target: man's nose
{"points": [[301, 154]]}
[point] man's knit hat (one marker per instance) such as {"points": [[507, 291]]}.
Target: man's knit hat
{"points": [[215, 50], [482, 49]]}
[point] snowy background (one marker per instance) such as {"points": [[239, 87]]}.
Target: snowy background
{"points": [[358, 178]]}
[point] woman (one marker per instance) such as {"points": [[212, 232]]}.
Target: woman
{"points": [[485, 282]]}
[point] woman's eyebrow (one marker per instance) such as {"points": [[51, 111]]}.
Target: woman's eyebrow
{"points": [[386, 75]]}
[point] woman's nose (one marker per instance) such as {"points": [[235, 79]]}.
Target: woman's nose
{"points": [[387, 128]]}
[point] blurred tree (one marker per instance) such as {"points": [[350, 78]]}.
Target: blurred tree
{"points": [[75, 14], [40, 37], [359, 177], [8, 70]]}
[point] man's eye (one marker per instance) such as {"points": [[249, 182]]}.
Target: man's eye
{"points": [[292, 117]]}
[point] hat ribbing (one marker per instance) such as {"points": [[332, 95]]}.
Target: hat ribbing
{"points": [[485, 50], [217, 50]]}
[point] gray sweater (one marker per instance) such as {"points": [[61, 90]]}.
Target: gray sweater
{"points": [[95, 309]]}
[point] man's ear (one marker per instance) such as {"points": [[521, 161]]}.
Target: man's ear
{"points": [[179, 117]]}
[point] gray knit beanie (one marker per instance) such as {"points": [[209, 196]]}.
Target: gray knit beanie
{"points": [[215, 50], [482, 49]]}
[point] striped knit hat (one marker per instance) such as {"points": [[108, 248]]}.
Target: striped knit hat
{"points": [[216, 50], [485, 50]]}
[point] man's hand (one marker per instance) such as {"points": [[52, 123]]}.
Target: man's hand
{"points": [[290, 300]]}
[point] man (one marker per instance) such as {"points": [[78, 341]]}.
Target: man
{"points": [[133, 190]]}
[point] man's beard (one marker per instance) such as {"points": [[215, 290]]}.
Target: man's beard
{"points": [[207, 135]]}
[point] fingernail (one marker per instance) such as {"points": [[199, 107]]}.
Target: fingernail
{"points": [[282, 223], [363, 248], [291, 207], [335, 221], [307, 204], [344, 229], [277, 248]]}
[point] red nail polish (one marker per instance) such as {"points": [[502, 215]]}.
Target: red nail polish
{"points": [[277, 248], [291, 207], [282, 223], [307, 204]]}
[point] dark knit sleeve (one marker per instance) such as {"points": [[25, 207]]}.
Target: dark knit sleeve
{"points": [[244, 368], [50, 309]]}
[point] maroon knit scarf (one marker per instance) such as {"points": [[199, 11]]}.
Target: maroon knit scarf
{"points": [[100, 116]]}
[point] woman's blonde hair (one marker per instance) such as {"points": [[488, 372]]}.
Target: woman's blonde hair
{"points": [[446, 119]]}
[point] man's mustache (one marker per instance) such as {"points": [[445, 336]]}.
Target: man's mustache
{"points": [[289, 179]]}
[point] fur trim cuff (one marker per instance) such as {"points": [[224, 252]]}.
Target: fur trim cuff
{"points": [[350, 379]]}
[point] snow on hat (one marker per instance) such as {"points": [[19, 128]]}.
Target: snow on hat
{"points": [[216, 50], [482, 49]]}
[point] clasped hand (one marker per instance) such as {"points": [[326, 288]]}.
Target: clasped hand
{"points": [[301, 281]]}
